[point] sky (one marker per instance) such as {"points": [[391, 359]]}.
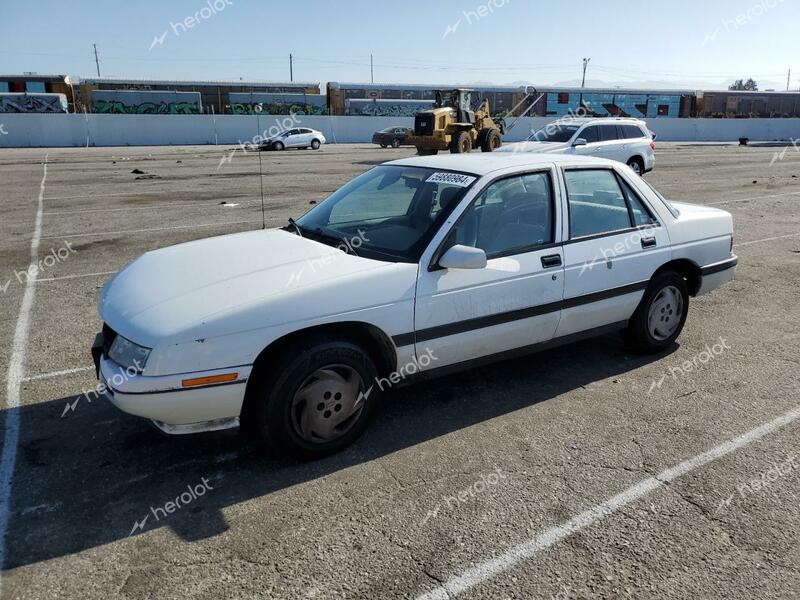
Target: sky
{"points": [[678, 44]]}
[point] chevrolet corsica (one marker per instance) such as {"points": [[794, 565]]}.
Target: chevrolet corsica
{"points": [[417, 267]]}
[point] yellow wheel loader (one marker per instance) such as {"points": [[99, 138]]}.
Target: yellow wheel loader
{"points": [[452, 125]]}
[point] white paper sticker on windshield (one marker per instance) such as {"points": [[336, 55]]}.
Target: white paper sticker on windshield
{"points": [[451, 178]]}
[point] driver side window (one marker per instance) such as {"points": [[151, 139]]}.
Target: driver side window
{"points": [[509, 217]]}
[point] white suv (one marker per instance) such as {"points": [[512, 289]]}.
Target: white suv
{"points": [[624, 140]]}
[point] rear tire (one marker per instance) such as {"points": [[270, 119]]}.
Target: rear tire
{"points": [[661, 314], [315, 144], [316, 401], [637, 165], [461, 143], [395, 143], [491, 140]]}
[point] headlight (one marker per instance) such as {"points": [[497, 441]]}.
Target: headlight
{"points": [[127, 354]]}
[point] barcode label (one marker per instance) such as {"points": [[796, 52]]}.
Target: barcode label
{"points": [[451, 178]]}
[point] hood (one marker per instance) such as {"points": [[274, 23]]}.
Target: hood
{"points": [[181, 291], [543, 147]]}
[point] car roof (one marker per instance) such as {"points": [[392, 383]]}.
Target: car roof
{"points": [[584, 120], [485, 163]]}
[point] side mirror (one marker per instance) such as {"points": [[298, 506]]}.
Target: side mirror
{"points": [[463, 257], [579, 142]]}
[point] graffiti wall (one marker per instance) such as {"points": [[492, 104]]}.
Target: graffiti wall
{"points": [[33, 103], [142, 102], [245, 103], [385, 108]]}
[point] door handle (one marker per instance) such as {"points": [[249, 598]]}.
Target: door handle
{"points": [[649, 242], [554, 260]]}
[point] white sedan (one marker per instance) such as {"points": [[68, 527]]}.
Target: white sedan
{"points": [[419, 266], [299, 137]]}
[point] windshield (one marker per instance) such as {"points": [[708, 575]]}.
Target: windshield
{"points": [[554, 133], [394, 211]]}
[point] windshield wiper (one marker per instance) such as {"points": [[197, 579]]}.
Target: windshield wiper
{"points": [[340, 242], [296, 227]]}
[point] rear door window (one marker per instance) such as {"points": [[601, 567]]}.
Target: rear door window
{"points": [[608, 133], [596, 203]]}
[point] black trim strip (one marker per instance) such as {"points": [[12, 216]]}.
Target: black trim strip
{"points": [[719, 267], [605, 294], [424, 335]]}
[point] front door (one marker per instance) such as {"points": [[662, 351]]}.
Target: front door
{"points": [[515, 301]]}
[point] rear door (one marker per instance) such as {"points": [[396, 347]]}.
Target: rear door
{"points": [[615, 245], [610, 145], [515, 301]]}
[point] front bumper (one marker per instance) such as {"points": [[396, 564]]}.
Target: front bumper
{"points": [[173, 407]]}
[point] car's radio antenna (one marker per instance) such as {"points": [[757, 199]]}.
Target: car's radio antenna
{"points": [[260, 172]]}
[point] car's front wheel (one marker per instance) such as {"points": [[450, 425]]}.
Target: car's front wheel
{"points": [[395, 143], [316, 401], [661, 314], [278, 146]]}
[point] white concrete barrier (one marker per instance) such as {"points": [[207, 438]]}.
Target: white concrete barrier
{"points": [[66, 130]]}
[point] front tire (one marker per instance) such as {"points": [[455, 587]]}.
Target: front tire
{"points": [[461, 143], [490, 141], [316, 401], [395, 143], [278, 146], [661, 314]]}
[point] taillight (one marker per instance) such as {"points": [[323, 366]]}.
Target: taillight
{"points": [[652, 145]]}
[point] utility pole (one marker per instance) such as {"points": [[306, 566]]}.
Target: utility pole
{"points": [[585, 64], [788, 77], [291, 69], [96, 61], [372, 73]]}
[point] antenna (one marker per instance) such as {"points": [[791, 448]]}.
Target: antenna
{"points": [[260, 173]]}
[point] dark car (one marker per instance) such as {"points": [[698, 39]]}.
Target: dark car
{"points": [[391, 136]]}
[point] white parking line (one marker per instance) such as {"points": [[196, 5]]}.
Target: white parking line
{"points": [[48, 279], [57, 373], [16, 373], [769, 239], [102, 233], [484, 571]]}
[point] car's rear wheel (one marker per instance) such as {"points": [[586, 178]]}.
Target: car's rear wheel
{"points": [[395, 143], [315, 144], [315, 401], [278, 146], [461, 143], [661, 314], [637, 165]]}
